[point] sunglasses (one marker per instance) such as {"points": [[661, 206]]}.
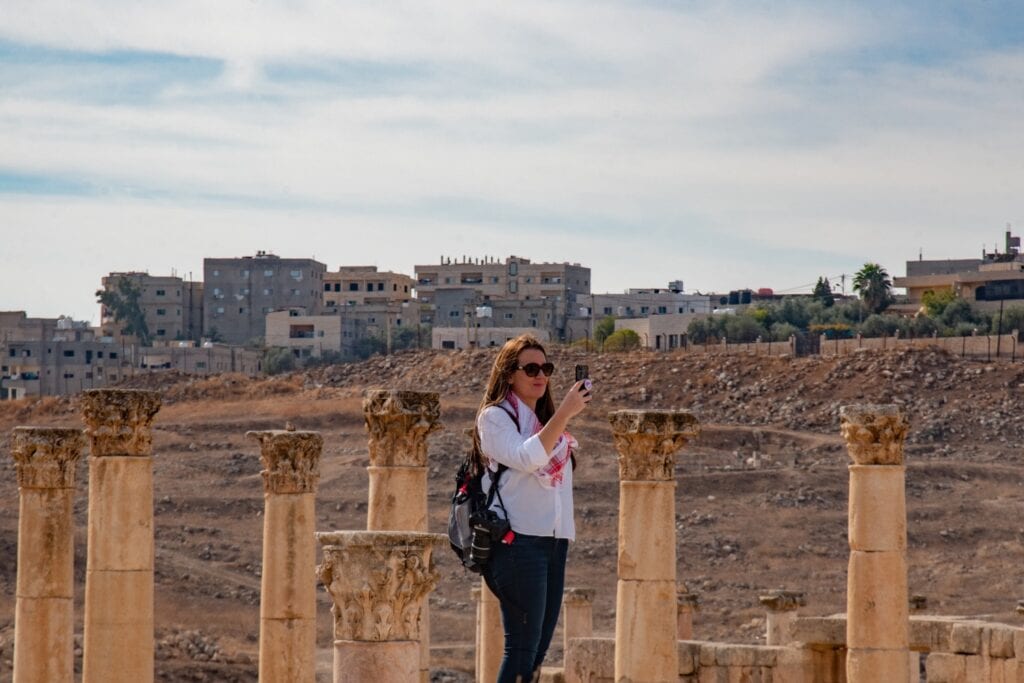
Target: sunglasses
{"points": [[534, 369]]}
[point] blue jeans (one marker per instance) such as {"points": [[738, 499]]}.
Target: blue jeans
{"points": [[527, 576]]}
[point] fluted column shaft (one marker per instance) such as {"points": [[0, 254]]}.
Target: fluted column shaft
{"points": [[118, 638], [645, 614], [398, 423], [44, 617], [379, 582], [291, 471], [877, 626]]}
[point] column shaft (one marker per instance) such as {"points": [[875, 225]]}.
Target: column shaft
{"points": [[291, 472], [492, 636], [44, 605], [118, 639]]}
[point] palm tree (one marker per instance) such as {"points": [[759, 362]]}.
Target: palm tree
{"points": [[874, 285]]}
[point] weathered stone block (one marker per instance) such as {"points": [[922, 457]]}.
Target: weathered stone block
{"points": [[734, 655], [1000, 641], [647, 537], [708, 674], [44, 640], [397, 499], [794, 666], [588, 659], [977, 668], [877, 508], [944, 667], [689, 656], [363, 661], [965, 638], [46, 550], [118, 638], [930, 635], [645, 631], [289, 557], [829, 631], [767, 656], [877, 601], [120, 533], [287, 649], [877, 665]]}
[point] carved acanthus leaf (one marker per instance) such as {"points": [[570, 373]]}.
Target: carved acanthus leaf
{"points": [[398, 423], [874, 434], [45, 457], [648, 440], [118, 421], [291, 460]]}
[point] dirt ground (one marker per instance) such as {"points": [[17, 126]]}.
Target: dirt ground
{"points": [[761, 498]]}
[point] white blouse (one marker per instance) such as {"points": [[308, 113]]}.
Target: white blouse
{"points": [[532, 507]]}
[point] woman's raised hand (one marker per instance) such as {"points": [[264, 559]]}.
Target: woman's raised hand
{"points": [[575, 400]]}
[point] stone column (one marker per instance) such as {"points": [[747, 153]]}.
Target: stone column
{"points": [[686, 604], [877, 625], [577, 615], [645, 606], [291, 471], [491, 645], [44, 619], [118, 638], [782, 606], [398, 423], [379, 582]]}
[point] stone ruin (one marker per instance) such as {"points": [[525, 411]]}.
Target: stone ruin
{"points": [[379, 578]]}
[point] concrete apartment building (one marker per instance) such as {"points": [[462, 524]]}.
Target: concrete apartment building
{"points": [[172, 306], [240, 292], [639, 304], [207, 358], [986, 283], [339, 329], [65, 358], [355, 285], [515, 279], [480, 337]]}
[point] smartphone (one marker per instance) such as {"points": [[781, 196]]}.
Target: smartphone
{"points": [[583, 372]]}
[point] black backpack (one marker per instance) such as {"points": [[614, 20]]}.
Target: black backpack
{"points": [[472, 526]]}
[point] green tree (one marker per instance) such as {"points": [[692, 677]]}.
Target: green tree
{"points": [[622, 340], [278, 359], [123, 303], [823, 293], [604, 329], [935, 302], [741, 329], [365, 347], [875, 288]]}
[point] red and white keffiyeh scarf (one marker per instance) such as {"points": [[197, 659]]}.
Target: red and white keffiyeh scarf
{"points": [[553, 473]]}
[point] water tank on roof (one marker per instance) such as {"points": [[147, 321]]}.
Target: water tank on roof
{"points": [[766, 291]]}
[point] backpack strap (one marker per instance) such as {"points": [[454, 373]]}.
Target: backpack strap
{"points": [[501, 469]]}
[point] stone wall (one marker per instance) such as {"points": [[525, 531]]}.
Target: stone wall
{"points": [[975, 346]]}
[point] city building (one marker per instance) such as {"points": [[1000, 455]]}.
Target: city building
{"points": [[986, 282], [639, 303], [172, 307], [515, 279], [207, 358], [480, 337], [239, 293], [394, 325], [66, 358], [355, 285]]}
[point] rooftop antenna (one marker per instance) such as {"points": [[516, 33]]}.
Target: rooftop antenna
{"points": [[920, 253]]}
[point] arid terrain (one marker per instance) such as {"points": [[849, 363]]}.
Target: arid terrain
{"points": [[761, 498]]}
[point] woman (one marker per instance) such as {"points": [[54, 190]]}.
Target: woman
{"points": [[518, 426]]}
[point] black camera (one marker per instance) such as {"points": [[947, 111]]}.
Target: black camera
{"points": [[488, 529]]}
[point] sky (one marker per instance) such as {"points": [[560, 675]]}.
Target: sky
{"points": [[724, 144]]}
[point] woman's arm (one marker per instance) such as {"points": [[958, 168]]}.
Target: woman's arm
{"points": [[500, 439], [572, 405]]}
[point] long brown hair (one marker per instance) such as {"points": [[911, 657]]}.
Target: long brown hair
{"points": [[499, 384]]}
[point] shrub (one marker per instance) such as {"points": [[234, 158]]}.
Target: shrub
{"points": [[622, 340]]}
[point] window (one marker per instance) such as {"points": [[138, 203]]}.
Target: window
{"points": [[217, 293], [267, 291], [337, 286], [216, 273], [644, 309], [353, 286], [513, 268], [447, 345], [241, 310], [99, 354], [394, 287], [200, 364], [88, 375], [244, 272], [327, 286], [161, 292], [161, 333], [447, 280], [113, 354], [529, 280], [509, 316], [161, 311], [454, 314], [372, 320], [220, 309], [69, 375], [663, 309], [69, 353], [380, 286], [607, 310], [269, 272], [296, 292]]}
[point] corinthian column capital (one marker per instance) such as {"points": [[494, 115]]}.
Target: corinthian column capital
{"points": [[118, 421], [291, 460], [874, 434], [379, 581], [647, 442], [45, 457], [398, 423]]}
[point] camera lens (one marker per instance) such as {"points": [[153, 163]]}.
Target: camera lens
{"points": [[480, 550]]}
